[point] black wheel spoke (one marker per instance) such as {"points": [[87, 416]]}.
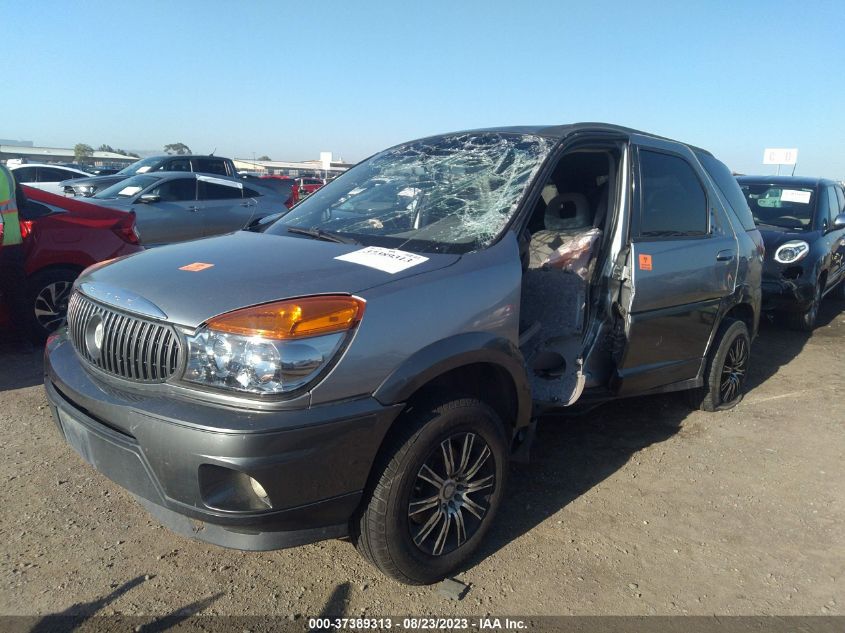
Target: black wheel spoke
{"points": [[733, 370], [441, 514]]}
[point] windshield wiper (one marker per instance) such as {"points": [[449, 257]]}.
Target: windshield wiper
{"points": [[320, 234]]}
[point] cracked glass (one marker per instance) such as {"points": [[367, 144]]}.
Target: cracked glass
{"points": [[453, 194]]}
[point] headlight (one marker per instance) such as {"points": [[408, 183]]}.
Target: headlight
{"points": [[273, 348], [792, 251]]}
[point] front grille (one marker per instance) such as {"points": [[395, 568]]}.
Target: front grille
{"points": [[132, 347]]}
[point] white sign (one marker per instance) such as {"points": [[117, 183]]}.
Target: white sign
{"points": [[389, 260], [326, 160], [780, 156], [795, 195]]}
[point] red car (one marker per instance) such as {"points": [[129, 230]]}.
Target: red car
{"points": [[286, 182], [309, 185], [61, 237]]}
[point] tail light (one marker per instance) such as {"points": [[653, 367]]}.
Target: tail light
{"points": [[26, 228], [126, 230]]}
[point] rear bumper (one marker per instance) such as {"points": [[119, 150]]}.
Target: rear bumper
{"points": [[313, 463]]}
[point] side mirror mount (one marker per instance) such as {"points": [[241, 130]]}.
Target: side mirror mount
{"points": [[839, 221], [147, 198]]}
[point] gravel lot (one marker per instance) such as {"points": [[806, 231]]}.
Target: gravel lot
{"points": [[639, 507]]}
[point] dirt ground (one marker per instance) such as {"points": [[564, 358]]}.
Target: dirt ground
{"points": [[639, 507]]}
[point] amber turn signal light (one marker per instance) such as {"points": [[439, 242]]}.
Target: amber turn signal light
{"points": [[295, 318]]}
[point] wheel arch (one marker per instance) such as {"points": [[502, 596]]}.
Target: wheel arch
{"points": [[478, 364]]}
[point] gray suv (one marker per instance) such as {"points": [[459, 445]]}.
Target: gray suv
{"points": [[367, 365]]}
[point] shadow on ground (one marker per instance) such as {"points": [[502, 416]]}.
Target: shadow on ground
{"points": [[75, 616], [571, 455], [21, 363]]}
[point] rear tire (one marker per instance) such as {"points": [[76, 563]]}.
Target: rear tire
{"points": [[46, 298], [435, 491], [727, 366], [806, 321]]}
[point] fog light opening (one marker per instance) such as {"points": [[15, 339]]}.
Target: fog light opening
{"points": [[259, 491]]}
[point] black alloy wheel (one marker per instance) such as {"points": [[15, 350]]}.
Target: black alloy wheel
{"points": [[733, 371], [451, 494]]}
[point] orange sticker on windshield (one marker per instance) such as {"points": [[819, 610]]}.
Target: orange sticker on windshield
{"points": [[645, 262], [196, 267]]}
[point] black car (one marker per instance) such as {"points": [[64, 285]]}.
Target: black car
{"points": [[802, 221], [214, 165]]}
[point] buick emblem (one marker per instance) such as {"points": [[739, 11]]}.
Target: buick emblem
{"points": [[94, 336]]}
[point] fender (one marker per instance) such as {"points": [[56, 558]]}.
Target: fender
{"points": [[454, 352]]}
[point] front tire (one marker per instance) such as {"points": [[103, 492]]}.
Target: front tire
{"points": [[435, 492], [806, 321], [47, 297], [727, 366]]}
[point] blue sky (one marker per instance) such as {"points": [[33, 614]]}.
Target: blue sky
{"points": [[291, 79]]}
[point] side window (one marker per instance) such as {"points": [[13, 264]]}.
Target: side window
{"points": [[841, 197], [178, 164], [832, 205], [672, 200], [210, 166], [52, 174], [216, 191], [729, 187], [177, 190], [25, 174]]}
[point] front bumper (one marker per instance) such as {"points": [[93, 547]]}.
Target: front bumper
{"points": [[787, 295], [169, 453]]}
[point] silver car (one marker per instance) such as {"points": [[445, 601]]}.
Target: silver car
{"points": [[368, 364], [179, 206]]}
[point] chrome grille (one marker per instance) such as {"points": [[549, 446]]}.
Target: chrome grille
{"points": [[133, 348]]}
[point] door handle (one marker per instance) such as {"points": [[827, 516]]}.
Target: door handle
{"points": [[193, 209], [725, 256]]}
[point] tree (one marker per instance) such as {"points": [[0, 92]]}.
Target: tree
{"points": [[81, 151], [265, 157], [106, 148], [177, 148]]}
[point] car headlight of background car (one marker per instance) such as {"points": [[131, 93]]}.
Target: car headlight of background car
{"points": [[272, 348], [792, 251]]}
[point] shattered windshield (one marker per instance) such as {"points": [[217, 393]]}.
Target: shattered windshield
{"points": [[452, 193]]}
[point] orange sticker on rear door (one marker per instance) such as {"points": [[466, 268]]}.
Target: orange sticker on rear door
{"points": [[645, 262], [196, 267]]}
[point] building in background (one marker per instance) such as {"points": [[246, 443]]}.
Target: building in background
{"points": [[29, 153], [319, 167]]}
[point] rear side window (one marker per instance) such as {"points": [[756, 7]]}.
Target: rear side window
{"points": [[178, 190], [210, 166], [729, 187], [215, 191], [672, 199]]}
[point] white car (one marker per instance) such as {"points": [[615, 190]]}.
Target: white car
{"points": [[44, 176]]}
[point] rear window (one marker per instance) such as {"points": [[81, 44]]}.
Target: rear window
{"points": [[729, 188]]}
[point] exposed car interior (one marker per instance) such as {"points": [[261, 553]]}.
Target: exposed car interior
{"points": [[562, 243]]}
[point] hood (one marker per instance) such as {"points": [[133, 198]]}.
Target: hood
{"points": [[101, 182], [774, 236], [245, 269]]}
